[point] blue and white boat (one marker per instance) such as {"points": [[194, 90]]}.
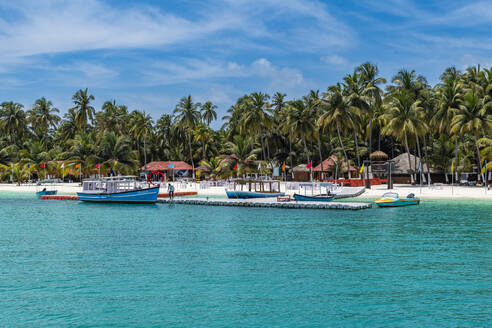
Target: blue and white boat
{"points": [[320, 197], [254, 189], [121, 189]]}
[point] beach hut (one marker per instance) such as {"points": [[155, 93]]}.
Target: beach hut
{"points": [[402, 169], [301, 172], [329, 169], [169, 169]]}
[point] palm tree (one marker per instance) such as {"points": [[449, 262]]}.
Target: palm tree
{"points": [[255, 118], [243, 153], [472, 118], [208, 112], [82, 109], [203, 136], [278, 102], [337, 108], [141, 128], [115, 152], [368, 73], [43, 117], [12, 120], [82, 149], [187, 117], [301, 121], [403, 116]]}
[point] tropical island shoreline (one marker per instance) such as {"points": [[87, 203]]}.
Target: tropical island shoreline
{"points": [[424, 192]]}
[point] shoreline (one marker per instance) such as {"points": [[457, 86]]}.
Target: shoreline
{"points": [[442, 192]]}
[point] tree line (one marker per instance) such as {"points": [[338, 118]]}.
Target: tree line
{"points": [[447, 125]]}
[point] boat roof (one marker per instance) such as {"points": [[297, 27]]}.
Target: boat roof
{"points": [[115, 178]]}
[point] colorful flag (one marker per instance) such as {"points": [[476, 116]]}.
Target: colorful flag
{"points": [[452, 167], [283, 167], [235, 167], [63, 165], [96, 166], [77, 166], [362, 168], [42, 165], [170, 166], [309, 165], [483, 169], [29, 165]]}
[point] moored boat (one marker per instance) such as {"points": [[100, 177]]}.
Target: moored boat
{"points": [[320, 197], [46, 187], [254, 189], [124, 189], [392, 199]]}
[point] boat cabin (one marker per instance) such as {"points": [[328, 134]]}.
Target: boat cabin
{"points": [[112, 185], [265, 186]]}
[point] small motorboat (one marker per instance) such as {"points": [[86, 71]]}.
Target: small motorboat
{"points": [[392, 199], [119, 189]]}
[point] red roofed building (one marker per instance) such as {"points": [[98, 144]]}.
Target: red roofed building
{"points": [[329, 169], [183, 168]]}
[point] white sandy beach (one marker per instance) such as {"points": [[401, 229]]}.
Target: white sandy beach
{"points": [[442, 192]]}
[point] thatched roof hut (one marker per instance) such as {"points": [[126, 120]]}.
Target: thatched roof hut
{"points": [[378, 156], [402, 166]]}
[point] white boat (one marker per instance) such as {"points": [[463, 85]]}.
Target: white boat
{"points": [[120, 189]]}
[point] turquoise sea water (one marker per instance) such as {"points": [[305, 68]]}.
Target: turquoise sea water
{"points": [[65, 263]]}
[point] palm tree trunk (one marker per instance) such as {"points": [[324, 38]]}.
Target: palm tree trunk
{"points": [[478, 157], [343, 149], [290, 155], [409, 159], [262, 145], [421, 166], [320, 154], [427, 161], [357, 148], [370, 134], [307, 155], [191, 153]]}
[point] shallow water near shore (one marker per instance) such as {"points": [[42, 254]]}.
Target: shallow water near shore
{"points": [[68, 263]]}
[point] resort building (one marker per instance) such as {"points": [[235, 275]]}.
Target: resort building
{"points": [[169, 169]]}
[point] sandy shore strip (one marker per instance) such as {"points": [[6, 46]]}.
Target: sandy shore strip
{"points": [[439, 192]]}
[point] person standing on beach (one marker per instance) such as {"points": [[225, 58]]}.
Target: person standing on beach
{"points": [[170, 189]]}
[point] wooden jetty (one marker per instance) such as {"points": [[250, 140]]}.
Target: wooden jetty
{"points": [[266, 202]]}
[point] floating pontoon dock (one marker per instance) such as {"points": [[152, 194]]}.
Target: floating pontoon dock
{"points": [[266, 202]]}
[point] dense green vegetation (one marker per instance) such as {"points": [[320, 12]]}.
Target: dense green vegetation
{"points": [[450, 122]]}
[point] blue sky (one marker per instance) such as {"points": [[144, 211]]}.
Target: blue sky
{"points": [[148, 54]]}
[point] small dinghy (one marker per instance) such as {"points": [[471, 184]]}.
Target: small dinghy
{"points": [[392, 199]]}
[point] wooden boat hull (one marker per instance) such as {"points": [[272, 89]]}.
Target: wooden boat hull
{"points": [[46, 192], [398, 202], [251, 194], [316, 198], [140, 196]]}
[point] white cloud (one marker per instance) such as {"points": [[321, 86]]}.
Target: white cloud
{"points": [[278, 78], [335, 60]]}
